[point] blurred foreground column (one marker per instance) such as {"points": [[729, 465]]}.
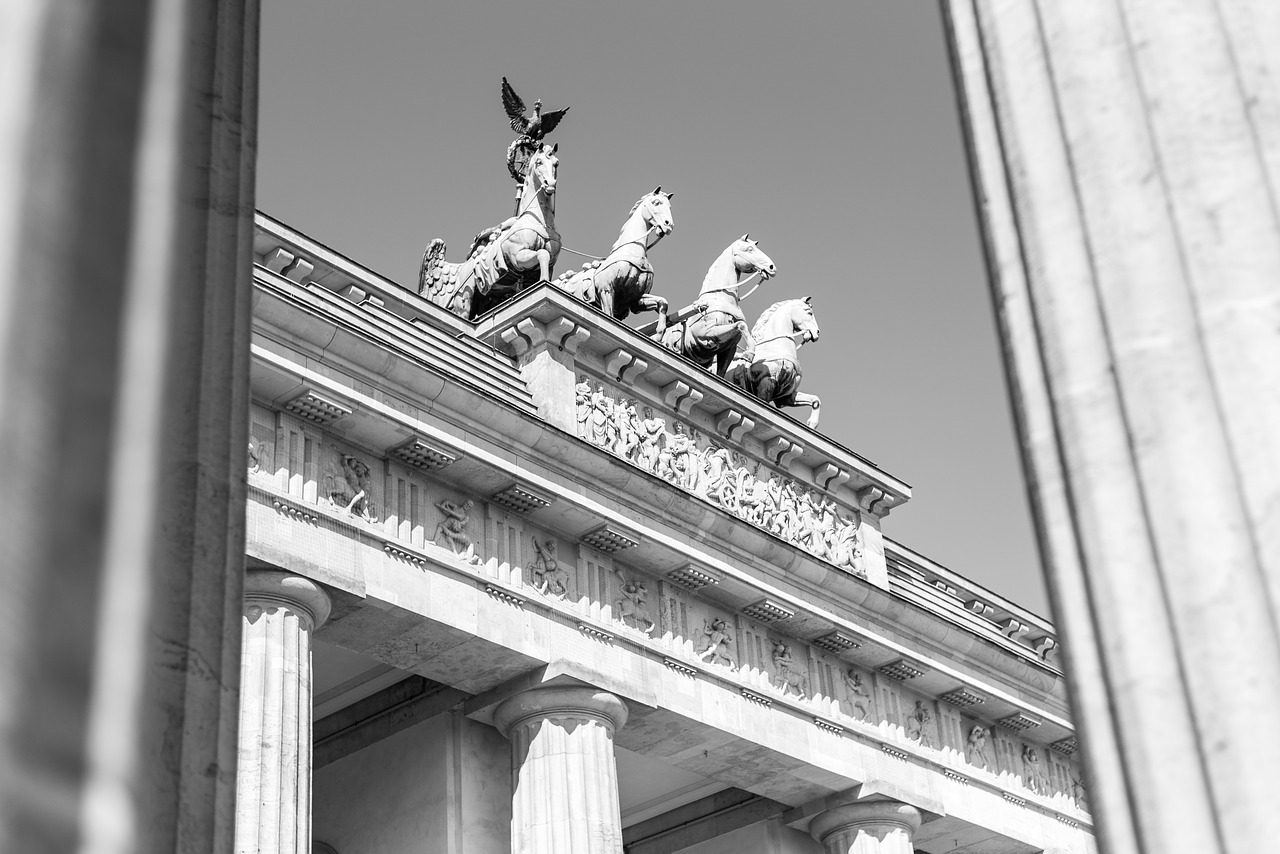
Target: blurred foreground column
{"points": [[127, 134], [1126, 156]]}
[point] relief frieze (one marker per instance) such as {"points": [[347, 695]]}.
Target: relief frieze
{"points": [[688, 459]]}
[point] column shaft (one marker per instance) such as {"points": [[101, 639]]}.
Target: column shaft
{"points": [[127, 138], [1124, 155], [273, 797], [565, 778]]}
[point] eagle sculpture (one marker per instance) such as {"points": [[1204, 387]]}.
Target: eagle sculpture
{"points": [[531, 128]]}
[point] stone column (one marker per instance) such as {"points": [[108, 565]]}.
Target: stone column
{"points": [[873, 827], [273, 780], [565, 780], [1126, 160], [127, 134]]}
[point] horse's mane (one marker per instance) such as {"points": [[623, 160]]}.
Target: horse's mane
{"points": [[637, 204], [766, 315], [725, 258]]}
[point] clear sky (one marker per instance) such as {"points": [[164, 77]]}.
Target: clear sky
{"points": [[827, 129]]}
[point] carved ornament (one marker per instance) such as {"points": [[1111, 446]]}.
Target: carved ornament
{"points": [[718, 475]]}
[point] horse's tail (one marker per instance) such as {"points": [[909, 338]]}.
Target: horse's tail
{"points": [[432, 261]]}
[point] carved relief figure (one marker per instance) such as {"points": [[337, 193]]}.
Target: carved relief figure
{"points": [[601, 412], [1033, 776], [845, 548], [673, 460], [583, 394], [259, 456], [652, 431], [976, 749], [628, 445], [713, 475], [920, 725], [766, 364], [453, 529], [787, 678], [548, 578], [632, 607], [1078, 792], [719, 648], [859, 696], [351, 488]]}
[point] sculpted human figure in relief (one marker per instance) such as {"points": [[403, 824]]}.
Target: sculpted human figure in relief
{"points": [[628, 444], [788, 679], [859, 696], [351, 488], [632, 607], [1032, 771], [976, 751], [652, 430], [453, 529], [583, 396], [920, 724], [548, 578], [719, 648]]}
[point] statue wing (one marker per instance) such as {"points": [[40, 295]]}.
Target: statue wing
{"points": [[550, 120], [515, 108]]}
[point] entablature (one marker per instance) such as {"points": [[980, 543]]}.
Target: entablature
{"points": [[417, 405]]}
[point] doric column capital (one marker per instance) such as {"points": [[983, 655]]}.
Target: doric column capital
{"points": [[560, 704], [266, 589], [876, 817]]}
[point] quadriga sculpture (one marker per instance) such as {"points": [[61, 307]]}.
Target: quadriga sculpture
{"points": [[504, 259], [619, 283], [766, 364], [713, 332]]}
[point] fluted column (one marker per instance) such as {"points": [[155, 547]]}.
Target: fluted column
{"points": [[1126, 158], [565, 780], [273, 782], [874, 827], [127, 136]]}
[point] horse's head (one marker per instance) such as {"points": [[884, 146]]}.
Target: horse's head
{"points": [[542, 168], [792, 318], [748, 258], [656, 208], [803, 321]]}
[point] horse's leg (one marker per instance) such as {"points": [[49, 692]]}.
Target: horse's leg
{"points": [[765, 385], [729, 347], [811, 400], [649, 302], [544, 264]]}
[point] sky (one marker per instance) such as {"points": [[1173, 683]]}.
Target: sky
{"points": [[828, 130]]}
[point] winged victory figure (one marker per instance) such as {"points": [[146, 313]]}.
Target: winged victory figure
{"points": [[534, 128]]}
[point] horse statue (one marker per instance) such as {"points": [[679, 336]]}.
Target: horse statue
{"points": [[712, 334], [619, 283], [505, 259], [766, 364]]}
